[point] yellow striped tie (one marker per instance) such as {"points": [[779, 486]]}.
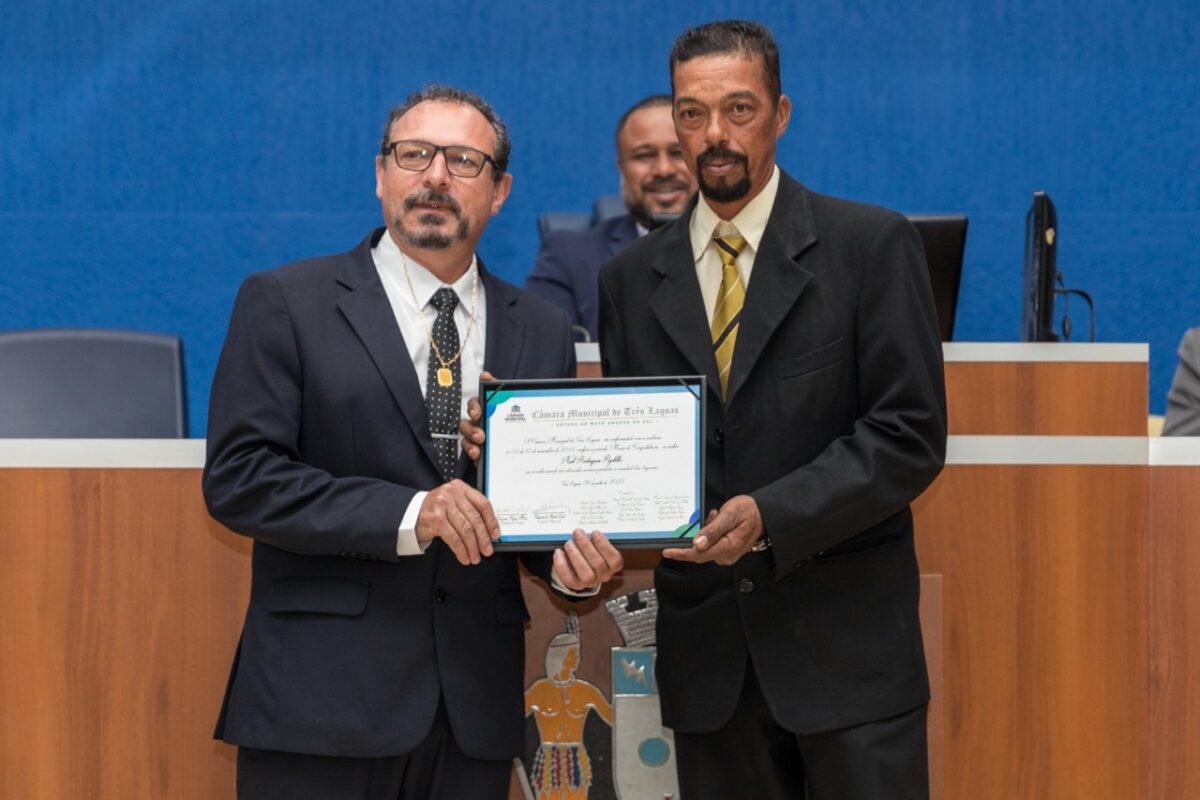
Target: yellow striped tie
{"points": [[730, 298]]}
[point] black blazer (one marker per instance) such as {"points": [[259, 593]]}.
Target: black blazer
{"points": [[835, 421], [568, 267], [317, 441]]}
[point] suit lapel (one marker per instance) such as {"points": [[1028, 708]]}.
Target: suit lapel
{"points": [[677, 302], [505, 329], [505, 339], [777, 279], [623, 232], [368, 311]]}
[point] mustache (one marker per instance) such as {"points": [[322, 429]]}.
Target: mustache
{"points": [[665, 185], [433, 196], [720, 151]]}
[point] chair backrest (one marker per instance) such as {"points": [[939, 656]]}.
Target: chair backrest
{"points": [[606, 206], [562, 221], [91, 383], [944, 237]]}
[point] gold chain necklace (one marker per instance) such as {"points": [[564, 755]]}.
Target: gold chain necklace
{"points": [[444, 376]]}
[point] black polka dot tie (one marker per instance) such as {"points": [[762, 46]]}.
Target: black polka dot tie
{"points": [[443, 403]]}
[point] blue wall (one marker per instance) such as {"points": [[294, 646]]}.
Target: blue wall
{"points": [[152, 156]]}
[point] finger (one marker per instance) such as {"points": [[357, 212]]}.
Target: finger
{"points": [[478, 529], [715, 529], [486, 376], [562, 568], [452, 540], [474, 411], [588, 548], [609, 552], [471, 430], [726, 552], [579, 564], [462, 527], [478, 509], [484, 506], [690, 554]]}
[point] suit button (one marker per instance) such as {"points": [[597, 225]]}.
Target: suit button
{"points": [[439, 595], [745, 586], [719, 436]]}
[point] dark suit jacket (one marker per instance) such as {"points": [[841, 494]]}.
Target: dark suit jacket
{"points": [[835, 421], [317, 441], [568, 267]]}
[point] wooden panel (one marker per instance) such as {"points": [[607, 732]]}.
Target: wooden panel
{"points": [[932, 630], [1046, 398], [1046, 632], [588, 369], [122, 605], [1174, 632]]}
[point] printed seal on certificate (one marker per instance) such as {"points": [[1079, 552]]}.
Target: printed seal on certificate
{"points": [[620, 455]]}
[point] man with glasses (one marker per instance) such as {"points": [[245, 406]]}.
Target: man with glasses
{"points": [[383, 648]]}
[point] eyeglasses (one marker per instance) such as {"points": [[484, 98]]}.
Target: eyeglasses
{"points": [[461, 161]]}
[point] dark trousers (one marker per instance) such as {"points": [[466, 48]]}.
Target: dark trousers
{"points": [[752, 756], [436, 770]]}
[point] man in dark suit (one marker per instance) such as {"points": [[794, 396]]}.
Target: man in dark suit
{"points": [[382, 652], [655, 182], [789, 649]]}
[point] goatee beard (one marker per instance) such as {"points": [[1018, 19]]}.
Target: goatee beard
{"points": [[432, 239], [723, 192]]}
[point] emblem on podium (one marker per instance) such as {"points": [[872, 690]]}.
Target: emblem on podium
{"points": [[643, 750], [560, 703]]}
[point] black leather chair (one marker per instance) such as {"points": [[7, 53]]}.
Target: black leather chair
{"points": [[91, 383], [604, 207]]}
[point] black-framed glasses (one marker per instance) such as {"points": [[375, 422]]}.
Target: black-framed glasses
{"points": [[461, 161]]}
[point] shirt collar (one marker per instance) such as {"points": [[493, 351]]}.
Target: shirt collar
{"points": [[751, 221], [390, 263]]}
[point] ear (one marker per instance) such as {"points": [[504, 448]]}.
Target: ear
{"points": [[500, 193], [380, 171], [783, 113]]}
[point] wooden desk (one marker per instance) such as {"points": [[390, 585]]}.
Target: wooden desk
{"points": [[1069, 627]]}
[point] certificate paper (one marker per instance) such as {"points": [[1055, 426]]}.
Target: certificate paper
{"points": [[622, 456]]}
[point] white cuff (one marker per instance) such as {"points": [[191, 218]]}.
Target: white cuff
{"points": [[558, 586], [406, 536]]}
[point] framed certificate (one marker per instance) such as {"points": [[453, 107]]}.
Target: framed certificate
{"points": [[624, 456]]}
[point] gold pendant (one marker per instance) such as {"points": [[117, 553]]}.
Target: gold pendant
{"points": [[445, 376]]}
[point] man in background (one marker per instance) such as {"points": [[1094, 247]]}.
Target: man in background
{"points": [[655, 184]]}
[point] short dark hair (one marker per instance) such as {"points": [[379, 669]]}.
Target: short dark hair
{"points": [[646, 102], [731, 36], [435, 92]]}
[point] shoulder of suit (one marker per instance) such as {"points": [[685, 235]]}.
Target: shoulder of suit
{"points": [[1189, 346], [527, 304], [596, 236], [827, 208], [639, 253]]}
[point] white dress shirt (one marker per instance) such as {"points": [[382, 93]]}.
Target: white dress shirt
{"points": [[390, 264], [751, 223]]}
